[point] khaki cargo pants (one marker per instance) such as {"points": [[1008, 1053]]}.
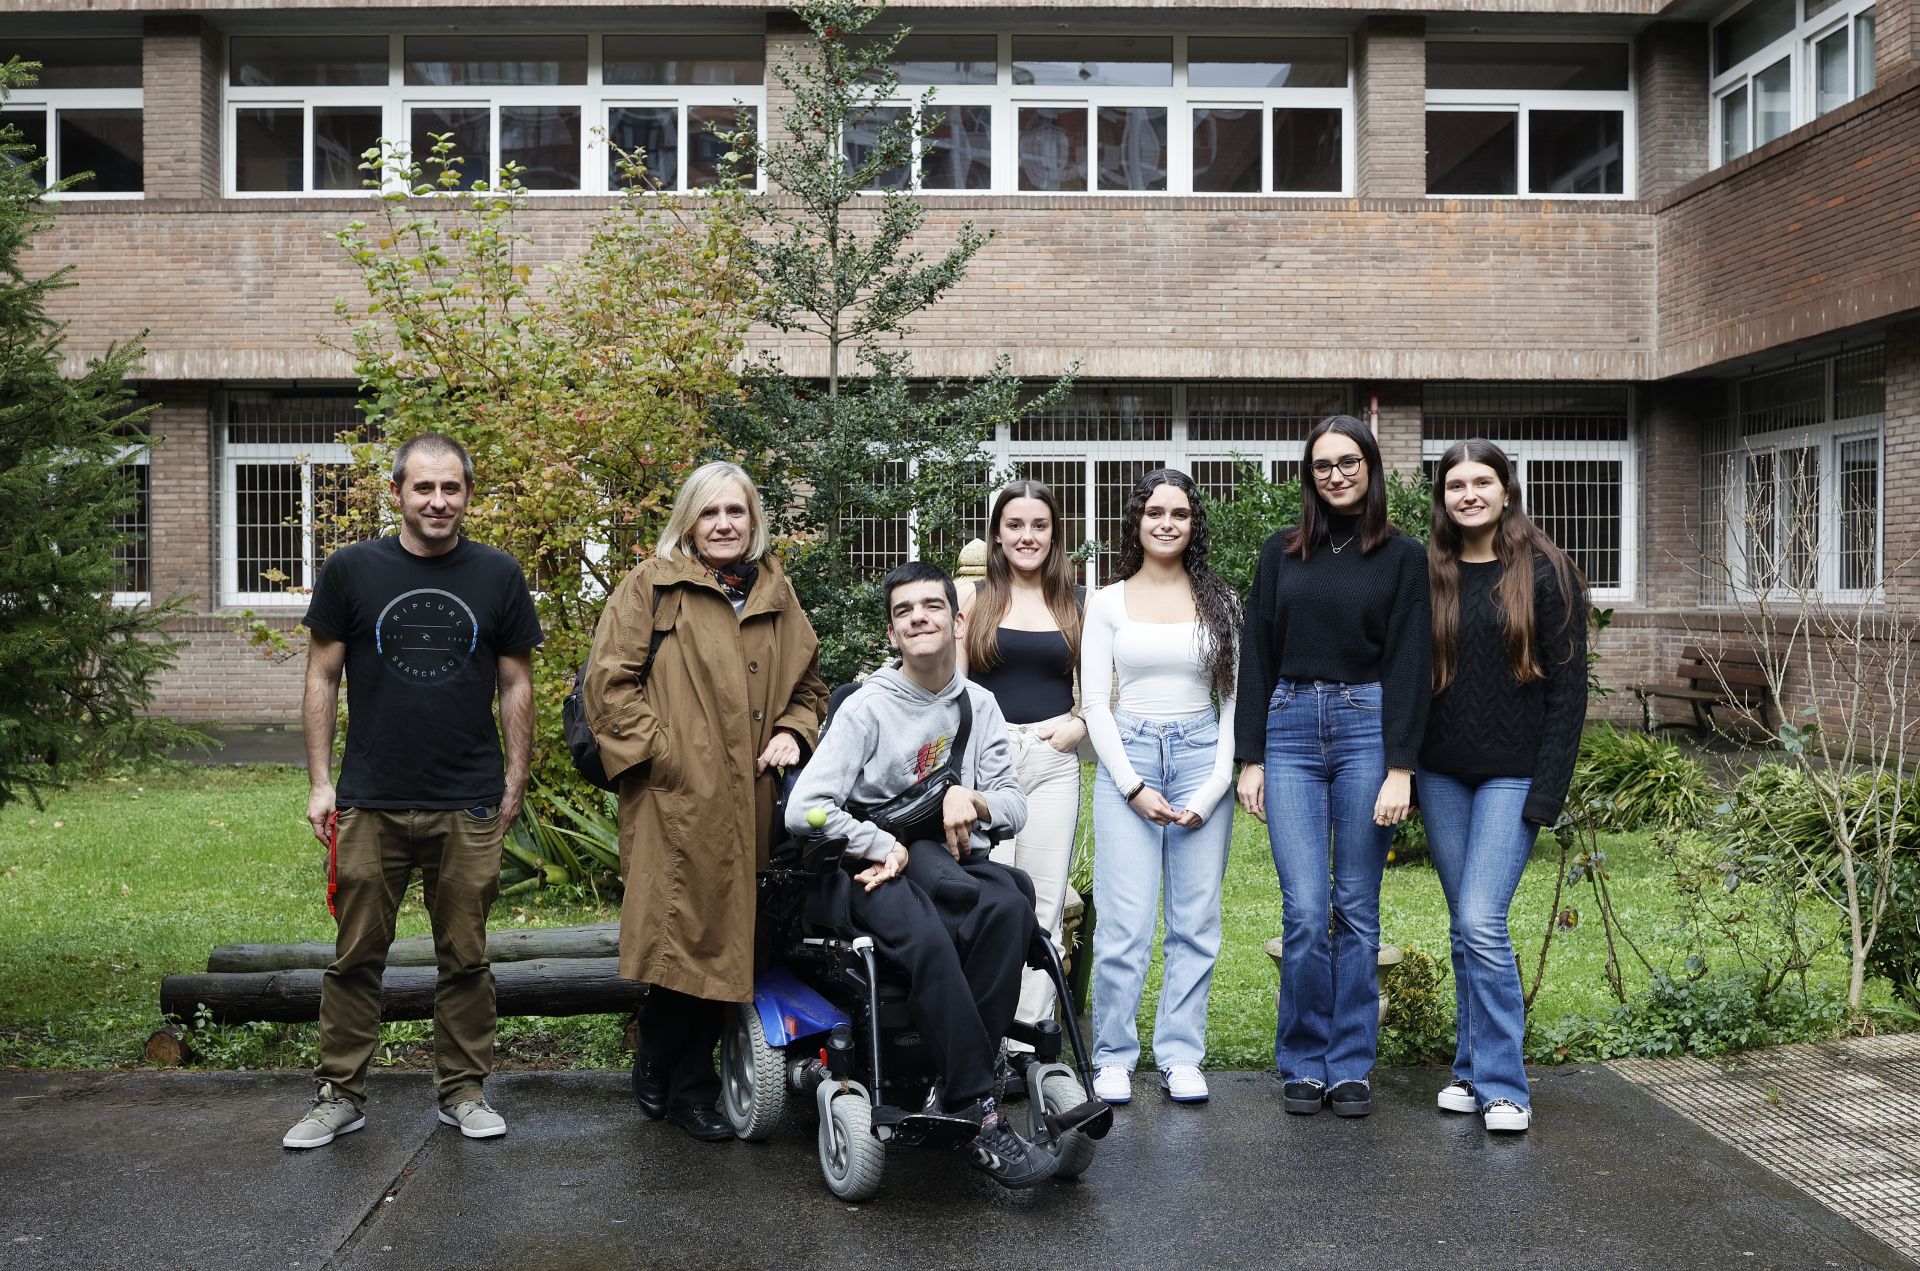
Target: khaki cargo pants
{"points": [[375, 852]]}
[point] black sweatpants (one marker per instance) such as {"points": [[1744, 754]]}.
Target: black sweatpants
{"points": [[961, 930], [677, 1036]]}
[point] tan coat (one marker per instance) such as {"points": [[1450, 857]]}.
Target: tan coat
{"points": [[694, 820]]}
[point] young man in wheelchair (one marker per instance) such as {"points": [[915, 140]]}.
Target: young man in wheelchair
{"points": [[913, 772]]}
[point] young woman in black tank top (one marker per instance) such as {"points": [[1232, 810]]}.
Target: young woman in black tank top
{"points": [[1022, 644]]}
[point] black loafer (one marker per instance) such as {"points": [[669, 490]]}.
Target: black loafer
{"points": [[1350, 1099], [649, 1088], [1302, 1098], [701, 1121]]}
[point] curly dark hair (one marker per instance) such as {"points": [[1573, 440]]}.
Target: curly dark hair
{"points": [[1215, 603]]}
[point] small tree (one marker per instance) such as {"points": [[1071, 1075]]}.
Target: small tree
{"points": [[836, 258], [1858, 664], [582, 406], [76, 672]]}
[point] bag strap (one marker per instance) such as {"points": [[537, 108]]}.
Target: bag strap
{"points": [[660, 630], [957, 757]]}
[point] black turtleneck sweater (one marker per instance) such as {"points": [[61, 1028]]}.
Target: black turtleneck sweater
{"points": [[1486, 723], [1349, 616]]}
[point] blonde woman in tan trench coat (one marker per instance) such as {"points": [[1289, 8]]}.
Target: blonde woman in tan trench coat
{"points": [[734, 695]]}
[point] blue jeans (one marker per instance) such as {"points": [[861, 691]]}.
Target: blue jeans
{"points": [[1325, 765], [1480, 847], [1175, 757]]}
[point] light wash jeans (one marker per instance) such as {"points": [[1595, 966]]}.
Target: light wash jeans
{"points": [[1325, 764], [1044, 848], [1480, 845], [1131, 854]]}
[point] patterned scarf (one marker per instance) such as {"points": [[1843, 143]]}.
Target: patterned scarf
{"points": [[736, 582]]}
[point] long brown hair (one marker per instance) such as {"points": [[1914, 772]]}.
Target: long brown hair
{"points": [[1375, 529], [1516, 542], [1215, 603], [991, 602]]}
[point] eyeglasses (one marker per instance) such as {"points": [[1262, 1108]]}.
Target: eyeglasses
{"points": [[1349, 465]]}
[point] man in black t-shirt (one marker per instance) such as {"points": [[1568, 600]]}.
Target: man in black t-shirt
{"points": [[427, 627]]}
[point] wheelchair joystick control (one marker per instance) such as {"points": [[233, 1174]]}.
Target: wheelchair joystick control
{"points": [[840, 1052], [816, 819]]}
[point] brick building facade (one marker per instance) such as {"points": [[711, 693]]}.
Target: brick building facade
{"points": [[1668, 253]]}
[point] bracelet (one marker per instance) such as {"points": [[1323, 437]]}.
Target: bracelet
{"points": [[1138, 787]]}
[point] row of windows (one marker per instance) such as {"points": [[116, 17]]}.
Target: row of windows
{"points": [[1779, 63], [1792, 494]]}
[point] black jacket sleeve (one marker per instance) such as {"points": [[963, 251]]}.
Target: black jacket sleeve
{"points": [[1406, 681], [1259, 659], [1561, 641]]}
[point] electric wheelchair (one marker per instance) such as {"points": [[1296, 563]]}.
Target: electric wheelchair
{"points": [[830, 1032]]}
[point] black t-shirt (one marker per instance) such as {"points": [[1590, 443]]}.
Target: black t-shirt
{"points": [[424, 636]]}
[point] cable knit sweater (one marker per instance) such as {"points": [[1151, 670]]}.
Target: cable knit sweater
{"points": [[1487, 724]]}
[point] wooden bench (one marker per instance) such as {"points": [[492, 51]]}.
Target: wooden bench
{"points": [[1726, 676]]}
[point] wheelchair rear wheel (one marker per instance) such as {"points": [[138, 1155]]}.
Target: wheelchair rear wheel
{"points": [[753, 1084], [1058, 1093], [851, 1159]]}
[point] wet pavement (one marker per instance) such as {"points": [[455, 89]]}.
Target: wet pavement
{"points": [[159, 1169]]}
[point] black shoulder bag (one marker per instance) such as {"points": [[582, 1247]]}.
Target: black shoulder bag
{"points": [[573, 712]]}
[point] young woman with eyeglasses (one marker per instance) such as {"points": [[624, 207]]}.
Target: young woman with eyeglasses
{"points": [[1510, 696], [1337, 647]]}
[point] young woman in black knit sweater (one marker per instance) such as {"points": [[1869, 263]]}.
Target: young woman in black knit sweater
{"points": [[1510, 695], [1336, 650]]}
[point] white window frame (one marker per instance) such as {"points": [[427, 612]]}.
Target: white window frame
{"points": [[397, 99], [1005, 98], [245, 454], [1826, 440], [1526, 101], [1796, 45], [50, 102], [139, 456], [1624, 451]]}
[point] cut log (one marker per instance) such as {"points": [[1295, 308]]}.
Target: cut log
{"points": [[517, 944], [547, 986], [168, 1048]]}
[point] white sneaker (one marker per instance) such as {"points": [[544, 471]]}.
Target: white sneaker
{"points": [[1113, 1084], [328, 1118], [1458, 1097], [475, 1119], [1184, 1084], [1504, 1115]]}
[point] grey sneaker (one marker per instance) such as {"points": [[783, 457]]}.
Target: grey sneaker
{"points": [[475, 1119], [328, 1118]]}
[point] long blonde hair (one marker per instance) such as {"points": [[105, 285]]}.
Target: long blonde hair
{"points": [[698, 491], [990, 603]]}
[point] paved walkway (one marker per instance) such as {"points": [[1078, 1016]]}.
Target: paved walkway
{"points": [[185, 1170], [1840, 1120]]}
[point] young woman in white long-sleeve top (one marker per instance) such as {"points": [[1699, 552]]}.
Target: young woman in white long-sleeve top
{"points": [[1166, 633]]}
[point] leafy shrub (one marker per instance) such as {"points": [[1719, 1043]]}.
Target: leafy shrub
{"points": [[1409, 841], [1896, 954], [1634, 781], [1704, 1017], [1419, 1024]]}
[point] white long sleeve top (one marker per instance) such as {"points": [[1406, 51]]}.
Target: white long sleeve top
{"points": [[1157, 666]]}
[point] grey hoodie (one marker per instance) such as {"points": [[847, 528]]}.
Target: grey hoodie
{"points": [[887, 735]]}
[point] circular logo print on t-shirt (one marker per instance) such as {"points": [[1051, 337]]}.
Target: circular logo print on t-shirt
{"points": [[425, 635]]}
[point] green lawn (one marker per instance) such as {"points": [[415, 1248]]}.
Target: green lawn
{"points": [[120, 881]]}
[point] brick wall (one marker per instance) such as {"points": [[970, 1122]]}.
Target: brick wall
{"points": [[182, 485], [1894, 53], [181, 121], [1670, 76], [1812, 233], [1130, 287], [219, 677], [1399, 430], [1390, 100], [1670, 490], [1901, 456]]}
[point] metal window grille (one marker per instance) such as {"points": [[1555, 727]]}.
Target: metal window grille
{"points": [[1572, 445], [284, 470], [134, 552], [1792, 491]]}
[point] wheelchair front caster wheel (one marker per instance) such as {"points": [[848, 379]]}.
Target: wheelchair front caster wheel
{"points": [[753, 1077], [851, 1159], [1058, 1093]]}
